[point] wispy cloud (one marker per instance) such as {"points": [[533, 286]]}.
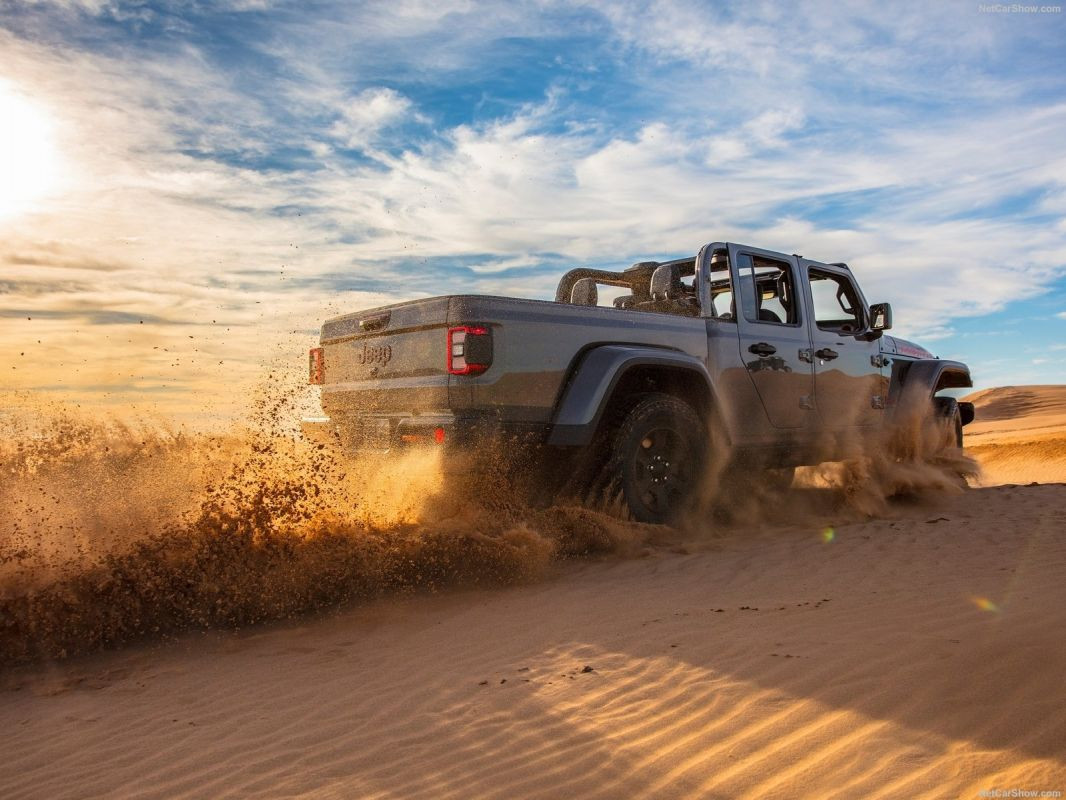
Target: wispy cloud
{"points": [[366, 115], [260, 167]]}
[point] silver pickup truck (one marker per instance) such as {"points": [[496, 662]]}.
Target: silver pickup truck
{"points": [[632, 373]]}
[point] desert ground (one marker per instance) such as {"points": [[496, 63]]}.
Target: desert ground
{"points": [[917, 652]]}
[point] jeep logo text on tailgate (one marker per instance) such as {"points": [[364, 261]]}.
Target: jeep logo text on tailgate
{"points": [[375, 355]]}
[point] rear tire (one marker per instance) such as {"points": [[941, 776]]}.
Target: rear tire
{"points": [[656, 457]]}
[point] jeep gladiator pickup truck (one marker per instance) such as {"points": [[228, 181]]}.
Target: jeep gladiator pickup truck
{"points": [[777, 357]]}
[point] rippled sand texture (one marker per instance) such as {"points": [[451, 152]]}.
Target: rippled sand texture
{"points": [[920, 656], [909, 647]]}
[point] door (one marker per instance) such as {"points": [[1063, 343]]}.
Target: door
{"points": [[773, 334], [847, 372]]}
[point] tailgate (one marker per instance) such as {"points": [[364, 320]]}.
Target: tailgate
{"points": [[387, 360]]}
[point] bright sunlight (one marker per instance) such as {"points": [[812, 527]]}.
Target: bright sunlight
{"points": [[29, 159]]}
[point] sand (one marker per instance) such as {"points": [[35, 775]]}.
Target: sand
{"points": [[917, 654], [1019, 435]]}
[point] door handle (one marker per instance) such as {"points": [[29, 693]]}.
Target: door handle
{"points": [[762, 349], [826, 354]]}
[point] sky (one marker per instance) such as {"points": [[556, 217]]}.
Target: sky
{"points": [[188, 188]]}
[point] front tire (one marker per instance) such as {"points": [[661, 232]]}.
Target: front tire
{"points": [[945, 448], [656, 458], [949, 415]]}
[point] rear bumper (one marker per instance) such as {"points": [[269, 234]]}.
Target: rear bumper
{"points": [[380, 433]]}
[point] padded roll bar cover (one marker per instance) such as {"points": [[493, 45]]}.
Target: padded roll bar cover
{"points": [[584, 292], [566, 283]]}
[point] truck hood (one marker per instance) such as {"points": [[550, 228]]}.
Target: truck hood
{"points": [[893, 344]]}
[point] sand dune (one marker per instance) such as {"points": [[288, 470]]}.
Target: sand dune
{"points": [[918, 654], [1019, 403], [1019, 435]]}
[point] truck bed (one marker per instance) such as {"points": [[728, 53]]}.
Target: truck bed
{"points": [[391, 363]]}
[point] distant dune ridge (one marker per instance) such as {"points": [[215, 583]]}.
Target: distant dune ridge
{"points": [[827, 653], [1019, 435], [1019, 402]]}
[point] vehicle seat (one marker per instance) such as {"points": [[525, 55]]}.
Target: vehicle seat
{"points": [[766, 315], [585, 293], [668, 293], [625, 301], [666, 283]]}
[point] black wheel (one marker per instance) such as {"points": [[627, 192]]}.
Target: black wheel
{"points": [[949, 415], [656, 456], [945, 440]]}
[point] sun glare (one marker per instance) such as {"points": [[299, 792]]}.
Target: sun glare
{"points": [[29, 158]]}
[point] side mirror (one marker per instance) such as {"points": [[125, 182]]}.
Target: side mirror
{"points": [[880, 317]]}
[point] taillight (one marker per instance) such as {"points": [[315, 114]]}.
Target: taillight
{"points": [[419, 436], [317, 365], [469, 349]]}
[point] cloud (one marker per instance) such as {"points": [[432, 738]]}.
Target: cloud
{"points": [[21, 252], [89, 6], [1061, 315], [86, 315], [267, 171], [366, 115], [510, 188]]}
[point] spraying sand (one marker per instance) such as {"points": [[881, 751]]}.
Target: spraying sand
{"points": [[827, 652]]}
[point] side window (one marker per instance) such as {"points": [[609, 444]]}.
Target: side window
{"points": [[836, 303], [721, 287], [767, 290]]}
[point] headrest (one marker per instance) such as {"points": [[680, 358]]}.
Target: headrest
{"points": [[782, 290], [584, 292], [666, 282]]}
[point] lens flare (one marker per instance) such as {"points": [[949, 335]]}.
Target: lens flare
{"points": [[985, 604], [828, 535]]}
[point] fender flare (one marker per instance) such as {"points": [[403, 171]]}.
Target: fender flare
{"points": [[921, 380], [593, 381]]}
